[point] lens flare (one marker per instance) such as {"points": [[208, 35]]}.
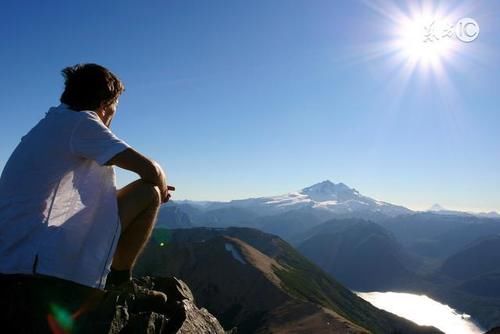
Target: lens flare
{"points": [[161, 236], [60, 320]]}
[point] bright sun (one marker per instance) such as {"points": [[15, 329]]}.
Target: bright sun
{"points": [[418, 36], [418, 44], [425, 40]]}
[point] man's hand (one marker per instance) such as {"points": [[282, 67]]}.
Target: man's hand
{"points": [[169, 188]]}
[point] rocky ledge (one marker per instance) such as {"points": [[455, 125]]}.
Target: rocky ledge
{"points": [[30, 305]]}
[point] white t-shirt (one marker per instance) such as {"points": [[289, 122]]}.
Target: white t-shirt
{"points": [[58, 207]]}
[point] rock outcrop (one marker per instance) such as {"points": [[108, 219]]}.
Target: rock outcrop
{"points": [[29, 305]]}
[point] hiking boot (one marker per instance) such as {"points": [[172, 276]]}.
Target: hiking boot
{"points": [[138, 297]]}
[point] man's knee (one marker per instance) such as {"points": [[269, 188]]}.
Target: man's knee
{"points": [[145, 192], [157, 196], [154, 194], [136, 197]]}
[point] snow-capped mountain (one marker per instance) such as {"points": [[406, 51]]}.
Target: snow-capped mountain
{"points": [[438, 209], [327, 191], [491, 214], [333, 197]]}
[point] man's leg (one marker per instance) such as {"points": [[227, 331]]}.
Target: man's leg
{"points": [[138, 205]]}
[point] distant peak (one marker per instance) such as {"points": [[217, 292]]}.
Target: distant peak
{"points": [[323, 183], [437, 207], [327, 184], [327, 190]]}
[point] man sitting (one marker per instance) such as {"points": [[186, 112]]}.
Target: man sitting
{"points": [[60, 213]]}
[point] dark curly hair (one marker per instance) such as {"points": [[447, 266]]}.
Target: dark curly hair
{"points": [[87, 86]]}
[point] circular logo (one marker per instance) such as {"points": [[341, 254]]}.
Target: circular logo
{"points": [[467, 29]]}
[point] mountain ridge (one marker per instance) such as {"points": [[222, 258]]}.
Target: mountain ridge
{"points": [[260, 282], [337, 198], [438, 209]]}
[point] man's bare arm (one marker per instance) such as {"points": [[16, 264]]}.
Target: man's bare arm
{"points": [[149, 170]]}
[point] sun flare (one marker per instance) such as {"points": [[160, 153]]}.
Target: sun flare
{"points": [[425, 40], [420, 43], [421, 37]]}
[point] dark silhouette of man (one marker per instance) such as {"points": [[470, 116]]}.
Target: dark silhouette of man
{"points": [[61, 215]]}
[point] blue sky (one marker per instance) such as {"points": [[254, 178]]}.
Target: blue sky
{"points": [[239, 99]]}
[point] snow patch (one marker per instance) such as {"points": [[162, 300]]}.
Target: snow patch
{"points": [[234, 252], [325, 204], [288, 199]]}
